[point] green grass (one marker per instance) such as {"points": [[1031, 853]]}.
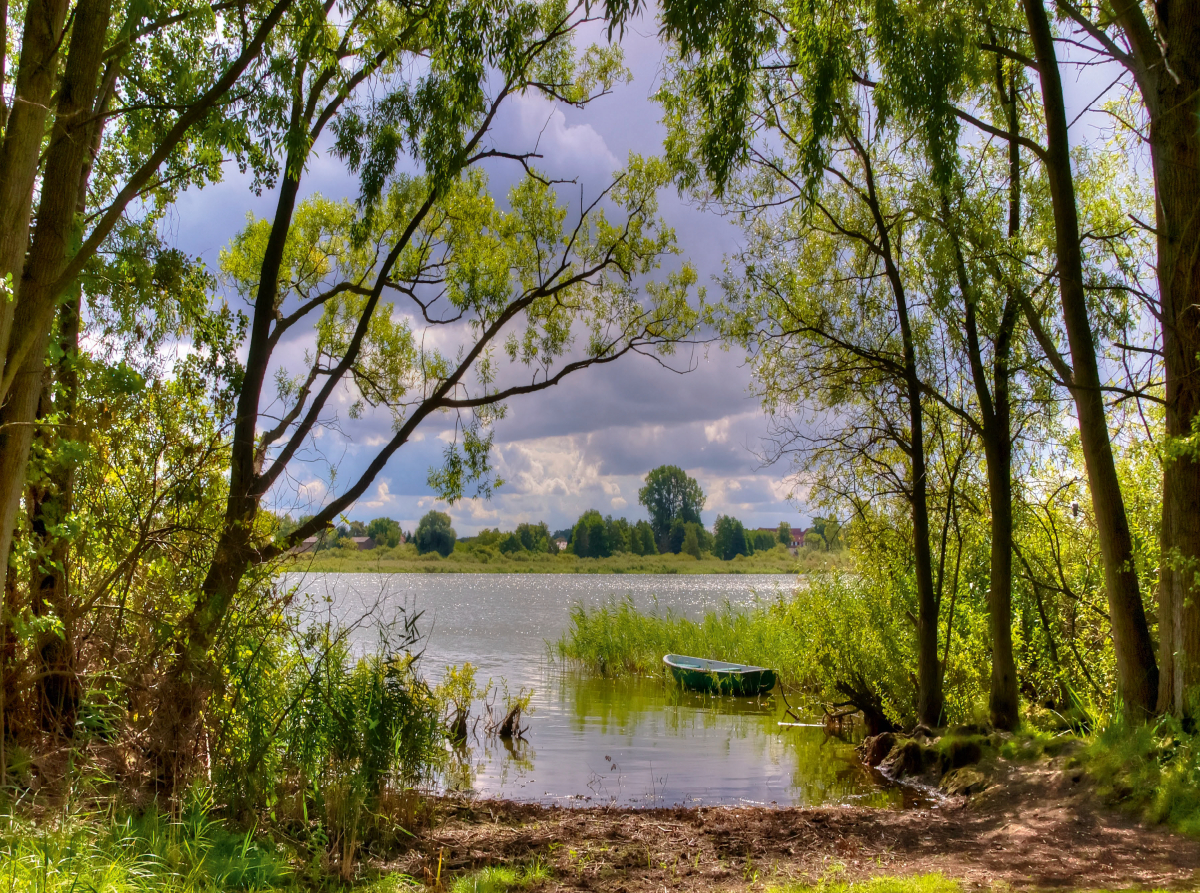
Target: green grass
{"points": [[501, 879], [152, 853], [156, 854], [404, 559], [617, 638], [1152, 770]]}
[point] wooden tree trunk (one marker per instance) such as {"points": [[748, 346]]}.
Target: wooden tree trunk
{"points": [[57, 686], [1175, 153], [1137, 671], [54, 238], [23, 140]]}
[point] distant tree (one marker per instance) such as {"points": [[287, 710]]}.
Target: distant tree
{"points": [[784, 534], [763, 540], [642, 540], [434, 534], [510, 544], [534, 537], [385, 532], [284, 524], [488, 537], [691, 542], [825, 535], [679, 532], [619, 534], [590, 537], [563, 534], [729, 538], [669, 494]]}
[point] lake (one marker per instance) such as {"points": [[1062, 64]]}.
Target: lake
{"points": [[628, 741]]}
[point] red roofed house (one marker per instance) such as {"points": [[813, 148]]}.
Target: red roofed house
{"points": [[797, 535]]}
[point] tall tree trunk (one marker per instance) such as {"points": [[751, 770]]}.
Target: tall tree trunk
{"points": [[1167, 596], [995, 411], [186, 686], [1169, 78], [55, 237], [929, 668], [1137, 671], [57, 684], [23, 139]]}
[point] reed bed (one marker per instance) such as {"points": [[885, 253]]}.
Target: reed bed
{"points": [[618, 638]]}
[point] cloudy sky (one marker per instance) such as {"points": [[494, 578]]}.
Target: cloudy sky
{"points": [[589, 442]]}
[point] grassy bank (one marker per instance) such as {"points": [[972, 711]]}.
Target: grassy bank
{"points": [[194, 854], [404, 560], [1152, 771]]}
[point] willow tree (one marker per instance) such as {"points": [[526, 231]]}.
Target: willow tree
{"points": [[848, 311], [426, 296], [926, 65], [1160, 49], [113, 107]]}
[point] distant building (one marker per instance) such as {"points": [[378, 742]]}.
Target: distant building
{"points": [[308, 545], [797, 535], [561, 544], [362, 543]]}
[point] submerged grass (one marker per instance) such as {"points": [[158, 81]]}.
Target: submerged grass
{"points": [[617, 638]]}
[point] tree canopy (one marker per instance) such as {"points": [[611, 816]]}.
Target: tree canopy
{"points": [[669, 494], [434, 534]]}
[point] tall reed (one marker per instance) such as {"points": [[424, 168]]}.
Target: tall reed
{"points": [[618, 638]]}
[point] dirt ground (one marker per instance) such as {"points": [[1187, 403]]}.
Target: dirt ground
{"points": [[1038, 827]]}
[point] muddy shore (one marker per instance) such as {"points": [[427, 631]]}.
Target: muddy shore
{"points": [[1037, 827]]}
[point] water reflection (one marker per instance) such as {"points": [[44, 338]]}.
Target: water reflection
{"points": [[630, 741], [647, 742]]}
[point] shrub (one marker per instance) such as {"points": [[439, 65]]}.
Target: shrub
{"points": [[434, 534]]}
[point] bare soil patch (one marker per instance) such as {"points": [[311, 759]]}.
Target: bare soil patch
{"points": [[1035, 827]]}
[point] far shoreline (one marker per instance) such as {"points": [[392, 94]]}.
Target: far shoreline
{"points": [[623, 564]]}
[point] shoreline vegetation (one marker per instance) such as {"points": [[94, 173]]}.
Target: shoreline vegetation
{"points": [[404, 558]]}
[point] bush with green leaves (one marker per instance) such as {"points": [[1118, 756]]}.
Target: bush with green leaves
{"points": [[729, 538], [308, 729], [434, 534], [589, 539]]}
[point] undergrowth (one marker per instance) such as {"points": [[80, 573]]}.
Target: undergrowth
{"points": [[1151, 769], [192, 853], [501, 878], [155, 853]]}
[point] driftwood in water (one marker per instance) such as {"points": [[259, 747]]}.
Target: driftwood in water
{"points": [[511, 726], [458, 725]]}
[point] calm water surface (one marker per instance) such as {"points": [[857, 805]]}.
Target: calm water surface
{"points": [[625, 741]]}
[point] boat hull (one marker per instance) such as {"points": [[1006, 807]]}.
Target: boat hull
{"points": [[719, 677]]}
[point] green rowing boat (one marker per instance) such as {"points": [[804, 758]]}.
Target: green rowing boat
{"points": [[718, 676]]}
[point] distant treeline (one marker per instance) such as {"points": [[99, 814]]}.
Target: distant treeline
{"points": [[673, 499]]}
